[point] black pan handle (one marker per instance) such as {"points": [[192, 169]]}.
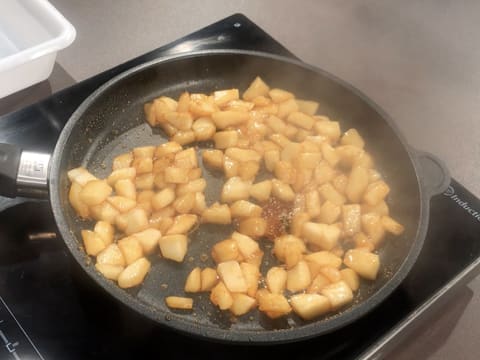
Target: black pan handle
{"points": [[433, 173], [23, 173]]}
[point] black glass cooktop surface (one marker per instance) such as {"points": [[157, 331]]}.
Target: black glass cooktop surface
{"points": [[49, 309]]}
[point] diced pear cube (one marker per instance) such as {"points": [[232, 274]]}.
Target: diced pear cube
{"points": [[296, 224], [313, 203], [217, 214], [122, 173], [185, 203], [376, 192], [143, 165], [95, 192], [137, 220], [221, 296], [222, 97], [331, 273], [74, 198], [372, 226], [244, 208], [225, 250], [253, 226], [111, 255], [298, 277], [291, 152], [271, 157], [186, 159], [228, 118], [197, 185], [289, 249], [167, 148], [242, 304], [80, 175], [173, 247], [193, 283], [257, 88], [330, 129], [204, 128], [235, 189], [322, 259], [134, 274], [183, 224], [363, 263], [280, 95], [285, 172], [176, 175], [163, 198], [338, 293], [240, 154], [329, 212], [351, 278], [392, 226], [105, 212], [274, 305], [209, 279], [225, 139], [248, 248], [381, 208], [111, 272], [200, 204], [105, 230], [92, 242], [323, 235], [122, 204], [318, 283], [328, 192], [308, 160], [145, 181], [329, 154], [261, 190], [357, 184], [143, 152], [213, 158], [122, 161], [231, 274], [230, 167], [276, 279], [131, 249], [148, 239], [300, 119], [251, 274], [282, 191], [179, 302], [202, 106], [310, 306], [323, 173], [183, 137], [307, 106], [352, 137], [287, 107], [126, 188]]}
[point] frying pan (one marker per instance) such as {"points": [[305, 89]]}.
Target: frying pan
{"points": [[111, 121]]}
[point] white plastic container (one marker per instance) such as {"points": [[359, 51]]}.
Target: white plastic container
{"points": [[31, 34]]}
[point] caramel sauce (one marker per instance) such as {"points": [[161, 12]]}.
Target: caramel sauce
{"points": [[278, 215]]}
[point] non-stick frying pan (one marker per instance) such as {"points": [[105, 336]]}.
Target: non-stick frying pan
{"points": [[111, 121]]}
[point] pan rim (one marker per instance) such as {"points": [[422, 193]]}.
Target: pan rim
{"points": [[239, 336]]}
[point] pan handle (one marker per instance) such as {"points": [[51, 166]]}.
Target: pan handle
{"points": [[434, 175], [23, 173]]}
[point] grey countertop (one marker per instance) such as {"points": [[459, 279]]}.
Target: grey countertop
{"points": [[419, 60]]}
